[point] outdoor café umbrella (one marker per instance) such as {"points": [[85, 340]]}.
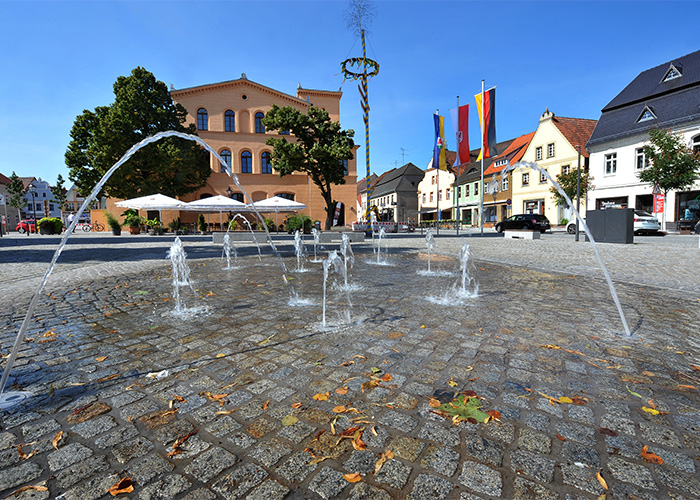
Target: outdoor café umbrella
{"points": [[278, 204], [217, 203], [153, 202]]}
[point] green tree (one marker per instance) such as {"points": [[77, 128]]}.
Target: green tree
{"points": [[671, 164], [568, 184], [320, 149], [16, 192], [60, 193], [142, 107]]}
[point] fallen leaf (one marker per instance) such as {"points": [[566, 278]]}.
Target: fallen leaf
{"points": [[25, 488], [608, 432], [23, 455], [651, 411], [648, 374], [375, 370], [386, 377], [108, 378], [57, 439], [317, 460], [296, 406], [495, 415], [383, 457], [220, 355], [227, 412], [633, 393], [560, 437], [320, 397], [179, 442], [123, 486], [101, 359], [289, 420], [578, 401], [352, 478], [264, 406], [434, 403], [452, 383], [342, 391], [564, 399], [650, 457], [694, 367], [340, 409], [684, 386], [601, 480]]}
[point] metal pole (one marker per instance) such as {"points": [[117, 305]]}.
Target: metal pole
{"points": [[437, 184], [578, 190], [31, 186], [456, 188], [481, 190]]}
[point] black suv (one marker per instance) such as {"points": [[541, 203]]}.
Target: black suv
{"points": [[533, 222]]}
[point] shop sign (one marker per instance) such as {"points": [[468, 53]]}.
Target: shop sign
{"points": [[658, 203]]}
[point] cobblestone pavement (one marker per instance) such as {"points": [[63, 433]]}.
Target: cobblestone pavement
{"points": [[245, 395]]}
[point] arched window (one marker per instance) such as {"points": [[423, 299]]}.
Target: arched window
{"points": [[226, 156], [265, 159], [286, 196], [246, 162], [229, 121], [237, 197], [202, 119], [695, 145], [259, 127]]}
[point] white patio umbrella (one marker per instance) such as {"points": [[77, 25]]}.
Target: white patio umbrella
{"points": [[278, 204], [153, 202], [217, 203]]}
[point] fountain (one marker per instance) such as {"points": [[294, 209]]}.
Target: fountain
{"points": [[228, 250], [381, 236], [181, 274], [252, 233], [13, 398], [299, 251], [346, 252], [332, 260], [317, 236], [469, 287], [430, 243]]}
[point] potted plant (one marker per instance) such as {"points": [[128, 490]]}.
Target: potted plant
{"points": [[202, 224], [133, 220], [175, 226], [154, 227], [113, 224], [50, 225]]}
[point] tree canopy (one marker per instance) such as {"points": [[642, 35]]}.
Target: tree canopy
{"points": [[16, 191], [671, 164], [142, 107], [568, 184], [320, 148]]}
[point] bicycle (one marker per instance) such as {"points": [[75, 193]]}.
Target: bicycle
{"points": [[95, 225]]}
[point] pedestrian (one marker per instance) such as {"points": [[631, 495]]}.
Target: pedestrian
{"points": [[70, 218]]}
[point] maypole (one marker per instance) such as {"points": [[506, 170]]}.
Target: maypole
{"points": [[358, 11]]}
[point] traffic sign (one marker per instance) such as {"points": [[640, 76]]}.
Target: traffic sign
{"points": [[509, 201]]}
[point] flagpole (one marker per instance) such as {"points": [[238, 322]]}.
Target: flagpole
{"points": [[455, 191], [481, 190], [437, 181]]}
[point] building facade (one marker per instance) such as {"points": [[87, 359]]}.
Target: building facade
{"points": [[665, 97], [394, 193], [229, 115], [435, 191], [554, 148]]}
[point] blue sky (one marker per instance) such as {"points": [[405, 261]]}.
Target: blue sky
{"points": [[59, 58]]}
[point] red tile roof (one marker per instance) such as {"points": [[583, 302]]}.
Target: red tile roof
{"points": [[576, 130], [514, 152], [4, 179]]}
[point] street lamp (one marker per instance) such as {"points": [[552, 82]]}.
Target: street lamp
{"points": [[229, 193], [31, 191]]}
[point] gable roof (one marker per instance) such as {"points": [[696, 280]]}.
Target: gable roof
{"points": [[650, 83], [243, 82], [576, 130], [362, 183], [513, 153], [465, 174], [4, 179], [396, 178], [673, 103]]}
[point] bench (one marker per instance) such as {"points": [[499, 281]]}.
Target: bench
{"points": [[522, 234]]}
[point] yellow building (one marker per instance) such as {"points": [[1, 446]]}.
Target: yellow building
{"points": [[553, 148]]}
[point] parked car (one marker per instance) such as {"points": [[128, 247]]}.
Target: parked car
{"points": [[533, 222], [645, 223], [571, 227], [24, 225]]}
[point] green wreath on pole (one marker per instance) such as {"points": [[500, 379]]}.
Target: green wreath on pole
{"points": [[359, 61]]}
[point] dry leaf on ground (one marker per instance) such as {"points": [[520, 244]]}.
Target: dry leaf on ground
{"points": [[123, 486], [600, 479], [57, 439], [352, 478], [650, 457], [320, 397]]}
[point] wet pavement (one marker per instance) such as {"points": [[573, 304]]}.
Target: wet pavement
{"points": [[252, 398]]}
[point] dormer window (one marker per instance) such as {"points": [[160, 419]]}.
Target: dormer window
{"points": [[672, 74], [501, 162], [646, 115]]}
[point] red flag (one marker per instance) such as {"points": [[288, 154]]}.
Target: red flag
{"points": [[460, 125]]}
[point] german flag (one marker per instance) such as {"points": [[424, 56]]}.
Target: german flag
{"points": [[486, 104]]}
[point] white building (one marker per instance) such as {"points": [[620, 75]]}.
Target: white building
{"points": [[666, 97], [38, 200]]}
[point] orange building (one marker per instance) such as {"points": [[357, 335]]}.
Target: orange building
{"points": [[229, 117]]}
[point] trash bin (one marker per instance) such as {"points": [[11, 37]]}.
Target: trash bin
{"points": [[612, 225]]}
